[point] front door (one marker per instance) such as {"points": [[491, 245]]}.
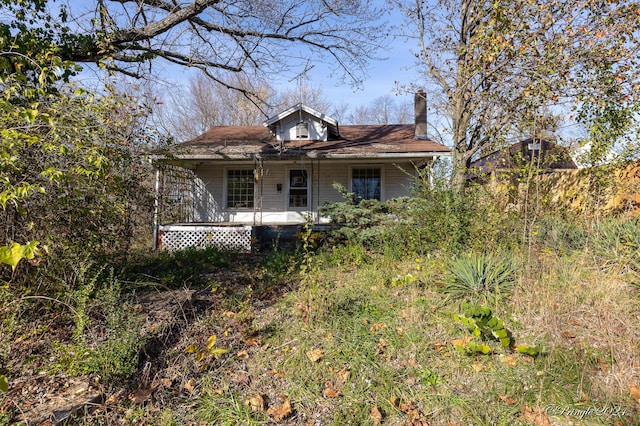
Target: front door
{"points": [[298, 190]]}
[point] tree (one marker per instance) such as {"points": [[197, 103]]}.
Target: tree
{"points": [[492, 64], [311, 96], [251, 37], [382, 110], [206, 103], [71, 175]]}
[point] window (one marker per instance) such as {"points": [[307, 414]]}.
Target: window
{"points": [[298, 188], [533, 146], [239, 189], [302, 130], [366, 183]]}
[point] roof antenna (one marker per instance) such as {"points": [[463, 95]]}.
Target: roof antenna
{"points": [[303, 74]]}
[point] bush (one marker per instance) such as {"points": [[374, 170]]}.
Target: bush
{"points": [[481, 277], [361, 221]]}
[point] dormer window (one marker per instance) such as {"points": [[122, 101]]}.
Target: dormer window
{"points": [[302, 130], [302, 123]]}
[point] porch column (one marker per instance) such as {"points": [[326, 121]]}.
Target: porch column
{"points": [[156, 195]]}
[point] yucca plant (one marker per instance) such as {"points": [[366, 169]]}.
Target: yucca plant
{"points": [[481, 277]]}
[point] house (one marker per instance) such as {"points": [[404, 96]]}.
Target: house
{"points": [[542, 155], [233, 182]]}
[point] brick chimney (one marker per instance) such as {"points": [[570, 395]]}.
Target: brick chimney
{"points": [[420, 114]]}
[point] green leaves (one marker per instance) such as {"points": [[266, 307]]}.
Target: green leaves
{"points": [[12, 255], [210, 349], [480, 277], [482, 323], [4, 383]]}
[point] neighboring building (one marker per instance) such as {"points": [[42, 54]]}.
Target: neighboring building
{"points": [[540, 154], [237, 179]]}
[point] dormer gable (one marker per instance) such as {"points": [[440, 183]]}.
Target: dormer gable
{"points": [[301, 122]]}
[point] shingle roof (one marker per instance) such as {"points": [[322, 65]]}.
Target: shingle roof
{"points": [[363, 141]]}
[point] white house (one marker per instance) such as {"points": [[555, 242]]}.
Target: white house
{"points": [[234, 179]]}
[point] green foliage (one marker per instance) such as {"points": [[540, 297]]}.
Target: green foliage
{"points": [[4, 383], [481, 277], [446, 218], [80, 293], [209, 349], [111, 353], [554, 232], [437, 217], [71, 171], [617, 240], [610, 117], [362, 221], [12, 255], [481, 322], [402, 280]]}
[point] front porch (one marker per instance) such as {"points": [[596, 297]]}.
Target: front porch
{"points": [[229, 236]]}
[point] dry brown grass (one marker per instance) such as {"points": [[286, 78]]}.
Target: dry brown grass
{"points": [[574, 304]]}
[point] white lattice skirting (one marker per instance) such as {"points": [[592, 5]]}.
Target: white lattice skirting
{"points": [[179, 237]]}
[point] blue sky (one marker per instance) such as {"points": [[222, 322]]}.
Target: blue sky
{"points": [[397, 66]]}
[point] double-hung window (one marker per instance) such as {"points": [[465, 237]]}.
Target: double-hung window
{"points": [[366, 183], [240, 189]]}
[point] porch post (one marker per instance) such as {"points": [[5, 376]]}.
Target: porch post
{"points": [[156, 195]]}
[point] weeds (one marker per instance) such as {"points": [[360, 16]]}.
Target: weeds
{"points": [[370, 337], [108, 349], [177, 269]]}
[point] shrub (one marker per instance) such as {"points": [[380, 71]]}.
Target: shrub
{"points": [[480, 277], [362, 221]]}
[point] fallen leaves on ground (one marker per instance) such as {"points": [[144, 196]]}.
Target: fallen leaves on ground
{"points": [[281, 411], [415, 417], [255, 403], [254, 341], [535, 417], [635, 392], [140, 396], [376, 415], [330, 391], [314, 355], [189, 386], [376, 327], [342, 374], [508, 399], [242, 379]]}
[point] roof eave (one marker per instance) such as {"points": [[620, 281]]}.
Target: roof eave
{"points": [[311, 154], [396, 155]]}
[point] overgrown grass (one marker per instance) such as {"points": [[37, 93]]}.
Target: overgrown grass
{"points": [[377, 347], [355, 334], [177, 269]]}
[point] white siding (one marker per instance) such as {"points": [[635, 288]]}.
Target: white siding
{"points": [[287, 128], [210, 189], [398, 181]]}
